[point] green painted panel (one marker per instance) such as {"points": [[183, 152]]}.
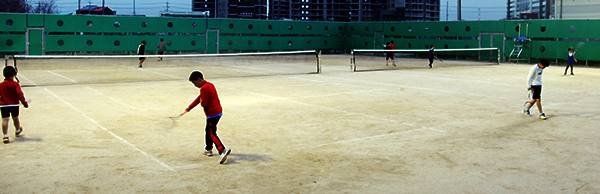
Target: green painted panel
{"points": [[188, 34], [76, 43], [119, 24], [361, 28], [492, 26], [239, 26], [35, 20], [463, 29], [12, 43], [212, 37], [36, 41], [13, 22]]}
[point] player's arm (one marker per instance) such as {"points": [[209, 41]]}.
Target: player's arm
{"points": [[193, 104], [22, 97], [530, 78]]}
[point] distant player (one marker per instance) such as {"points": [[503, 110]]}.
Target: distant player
{"points": [[570, 61], [431, 56], [209, 100], [389, 55], [534, 83], [140, 51], [11, 96], [161, 49]]}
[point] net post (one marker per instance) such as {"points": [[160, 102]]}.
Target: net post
{"points": [[499, 57], [351, 58], [318, 61], [5, 60]]}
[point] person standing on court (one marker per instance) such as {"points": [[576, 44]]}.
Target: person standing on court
{"points": [[209, 100], [389, 55], [431, 56], [161, 49], [11, 96], [140, 51], [570, 61], [534, 83]]}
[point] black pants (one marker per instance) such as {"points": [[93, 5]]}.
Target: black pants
{"points": [[569, 65], [430, 62], [211, 135]]}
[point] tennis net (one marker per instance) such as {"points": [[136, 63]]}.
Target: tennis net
{"points": [[87, 69], [375, 59]]}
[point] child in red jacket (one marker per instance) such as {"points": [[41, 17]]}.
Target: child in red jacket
{"points": [[11, 96], [209, 100]]}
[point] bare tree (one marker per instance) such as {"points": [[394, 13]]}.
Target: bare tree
{"points": [[45, 6], [14, 6]]}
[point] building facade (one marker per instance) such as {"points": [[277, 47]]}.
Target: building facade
{"points": [[422, 10], [569, 9], [323, 10], [529, 9]]}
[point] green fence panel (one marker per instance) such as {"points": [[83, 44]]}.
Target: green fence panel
{"points": [[12, 42], [361, 28], [492, 26], [121, 24], [272, 43], [13, 22], [78, 43], [463, 29], [35, 20]]}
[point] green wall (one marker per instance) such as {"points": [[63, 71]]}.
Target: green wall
{"points": [[84, 33]]}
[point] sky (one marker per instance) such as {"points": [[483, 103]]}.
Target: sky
{"points": [[471, 9]]}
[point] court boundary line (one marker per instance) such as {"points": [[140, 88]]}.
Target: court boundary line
{"points": [[112, 133], [59, 75], [113, 99]]}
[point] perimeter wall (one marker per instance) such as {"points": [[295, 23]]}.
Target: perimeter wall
{"points": [[38, 34]]}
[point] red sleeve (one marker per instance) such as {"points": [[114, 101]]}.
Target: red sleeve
{"points": [[194, 103], [21, 96]]}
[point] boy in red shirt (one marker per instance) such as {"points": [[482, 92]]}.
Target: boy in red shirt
{"points": [[209, 100], [11, 96]]}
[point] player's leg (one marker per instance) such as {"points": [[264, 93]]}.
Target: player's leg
{"points": [[430, 62], [5, 120], [537, 96], [572, 69], [5, 125], [387, 58], [393, 60], [208, 138], [16, 121], [211, 132]]}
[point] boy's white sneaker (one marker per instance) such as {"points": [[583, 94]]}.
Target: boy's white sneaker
{"points": [[224, 155]]}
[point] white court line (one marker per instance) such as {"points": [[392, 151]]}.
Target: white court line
{"points": [[423, 88], [59, 75], [22, 76], [330, 108], [111, 133], [157, 73], [113, 99], [369, 137]]}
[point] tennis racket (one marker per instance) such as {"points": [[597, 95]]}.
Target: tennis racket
{"points": [[528, 100], [440, 60], [174, 122]]}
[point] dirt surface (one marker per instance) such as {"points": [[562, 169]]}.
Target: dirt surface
{"points": [[395, 130]]}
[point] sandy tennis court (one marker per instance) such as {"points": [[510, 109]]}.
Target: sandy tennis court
{"points": [[104, 128]]}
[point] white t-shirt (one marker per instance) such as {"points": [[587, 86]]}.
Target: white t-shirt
{"points": [[535, 76]]}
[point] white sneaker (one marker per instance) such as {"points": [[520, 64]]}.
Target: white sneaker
{"points": [[208, 152], [224, 155]]}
